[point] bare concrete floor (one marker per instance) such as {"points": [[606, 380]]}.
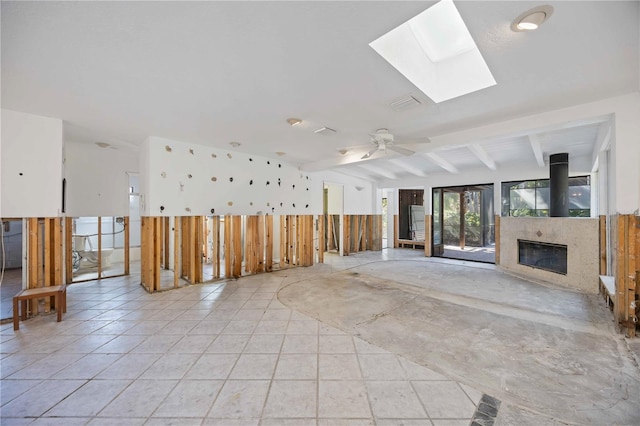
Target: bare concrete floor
{"points": [[551, 355]]}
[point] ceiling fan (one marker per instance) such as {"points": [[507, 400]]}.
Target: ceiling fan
{"points": [[383, 140]]}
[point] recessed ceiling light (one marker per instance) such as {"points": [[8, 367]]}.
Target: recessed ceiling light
{"points": [[532, 19], [235, 144], [103, 144], [434, 50], [294, 121], [324, 130]]}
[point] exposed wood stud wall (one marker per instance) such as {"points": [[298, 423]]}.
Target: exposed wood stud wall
{"points": [[297, 238], [361, 232], [45, 258], [627, 273]]}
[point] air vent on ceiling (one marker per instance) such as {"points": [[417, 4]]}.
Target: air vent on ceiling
{"points": [[404, 103], [324, 131]]}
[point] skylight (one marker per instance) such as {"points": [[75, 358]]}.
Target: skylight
{"points": [[435, 51]]}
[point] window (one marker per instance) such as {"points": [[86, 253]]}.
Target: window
{"points": [[531, 197]]}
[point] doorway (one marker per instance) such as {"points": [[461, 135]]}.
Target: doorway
{"points": [[10, 264], [464, 223]]}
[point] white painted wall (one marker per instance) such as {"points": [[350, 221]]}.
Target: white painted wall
{"points": [[31, 165], [97, 180], [165, 182], [359, 194], [335, 198]]}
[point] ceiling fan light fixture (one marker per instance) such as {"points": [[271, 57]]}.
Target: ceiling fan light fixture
{"points": [[294, 121], [532, 19]]}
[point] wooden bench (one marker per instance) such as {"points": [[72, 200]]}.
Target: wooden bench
{"points": [[608, 289], [58, 292]]}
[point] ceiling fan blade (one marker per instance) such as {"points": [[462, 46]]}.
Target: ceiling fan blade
{"points": [[400, 150], [369, 154]]}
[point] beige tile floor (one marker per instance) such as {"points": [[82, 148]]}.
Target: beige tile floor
{"points": [[226, 353]]}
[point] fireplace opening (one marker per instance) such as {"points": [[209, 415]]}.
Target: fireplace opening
{"points": [[547, 256]]}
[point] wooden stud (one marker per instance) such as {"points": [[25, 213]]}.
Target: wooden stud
{"points": [[216, 246], [157, 238], [283, 240], [127, 243], [68, 239], [176, 251], [186, 248], [143, 248], [237, 246], [268, 267], [58, 252], [330, 240], [165, 246], [631, 277], [228, 253], [620, 269], [201, 250], [299, 241], [248, 244], [48, 237], [260, 243], [428, 227], [40, 254], [99, 247], [346, 237], [497, 238], [192, 249], [321, 238], [603, 245], [396, 227]]}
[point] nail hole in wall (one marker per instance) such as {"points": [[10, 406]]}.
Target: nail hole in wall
{"points": [[229, 155], [189, 175], [230, 203], [167, 148], [213, 179], [230, 179], [163, 174], [191, 151]]}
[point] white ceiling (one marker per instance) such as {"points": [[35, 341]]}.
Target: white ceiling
{"points": [[216, 72]]}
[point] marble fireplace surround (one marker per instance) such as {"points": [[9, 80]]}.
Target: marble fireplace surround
{"points": [[580, 235]]}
